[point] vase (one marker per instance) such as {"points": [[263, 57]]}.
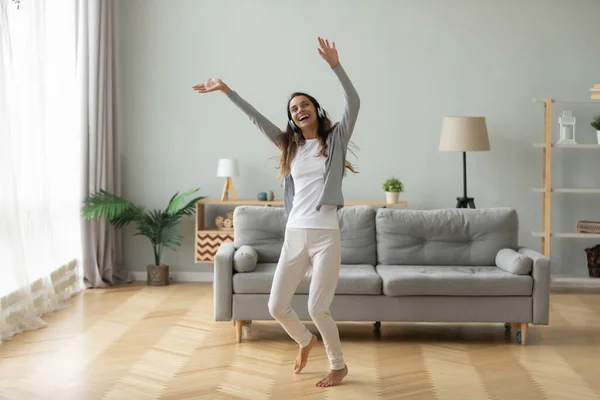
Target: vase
{"points": [[391, 197]]}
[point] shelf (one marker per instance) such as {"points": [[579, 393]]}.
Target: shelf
{"points": [[568, 101], [568, 146], [574, 282], [216, 231], [569, 235], [240, 202], [372, 203], [568, 190]]}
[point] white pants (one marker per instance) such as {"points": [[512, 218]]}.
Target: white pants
{"points": [[301, 248]]}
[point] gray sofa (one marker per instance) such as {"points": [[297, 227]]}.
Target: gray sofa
{"points": [[449, 265]]}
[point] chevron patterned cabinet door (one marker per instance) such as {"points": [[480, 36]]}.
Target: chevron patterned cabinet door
{"points": [[208, 242]]}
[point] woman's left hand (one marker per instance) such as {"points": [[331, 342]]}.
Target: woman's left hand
{"points": [[329, 53]]}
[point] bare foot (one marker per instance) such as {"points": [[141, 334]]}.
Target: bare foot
{"points": [[333, 378], [302, 358]]}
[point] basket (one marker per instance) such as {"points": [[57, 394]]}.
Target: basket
{"points": [[158, 275], [593, 256], [588, 227]]}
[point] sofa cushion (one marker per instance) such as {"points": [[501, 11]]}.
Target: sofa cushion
{"points": [[245, 259], [468, 237], [514, 262], [357, 235], [354, 279], [262, 228], [417, 280]]}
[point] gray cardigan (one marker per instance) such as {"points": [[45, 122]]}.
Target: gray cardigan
{"points": [[337, 144]]}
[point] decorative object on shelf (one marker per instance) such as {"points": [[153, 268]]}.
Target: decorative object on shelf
{"points": [[588, 227], [271, 195], [157, 225], [593, 257], [596, 125], [567, 128], [224, 223], [595, 92], [262, 196], [392, 188], [464, 134], [227, 169]]}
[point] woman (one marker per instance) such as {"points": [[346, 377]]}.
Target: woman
{"points": [[312, 166]]}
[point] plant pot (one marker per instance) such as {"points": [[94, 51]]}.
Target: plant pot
{"points": [[391, 197], [158, 275]]}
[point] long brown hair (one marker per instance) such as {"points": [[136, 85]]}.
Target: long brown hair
{"points": [[293, 138]]}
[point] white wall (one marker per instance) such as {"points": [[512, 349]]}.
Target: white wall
{"points": [[411, 62]]}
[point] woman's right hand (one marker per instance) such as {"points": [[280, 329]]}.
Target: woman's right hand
{"points": [[212, 85]]}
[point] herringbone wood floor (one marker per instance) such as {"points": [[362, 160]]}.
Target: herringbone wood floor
{"points": [[138, 342]]}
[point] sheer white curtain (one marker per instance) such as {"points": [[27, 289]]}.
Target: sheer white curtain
{"points": [[40, 162]]}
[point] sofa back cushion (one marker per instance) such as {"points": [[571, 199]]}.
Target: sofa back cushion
{"points": [[263, 228], [445, 237], [357, 234]]}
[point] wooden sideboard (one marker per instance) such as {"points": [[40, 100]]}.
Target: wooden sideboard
{"points": [[208, 237]]}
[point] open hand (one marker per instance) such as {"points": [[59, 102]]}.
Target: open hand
{"points": [[211, 85], [329, 53]]}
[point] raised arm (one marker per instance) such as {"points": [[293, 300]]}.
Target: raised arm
{"points": [[330, 54], [260, 121]]}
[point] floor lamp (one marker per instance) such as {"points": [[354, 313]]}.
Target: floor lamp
{"points": [[464, 134]]}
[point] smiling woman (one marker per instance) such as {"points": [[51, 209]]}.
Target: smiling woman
{"points": [[313, 164]]}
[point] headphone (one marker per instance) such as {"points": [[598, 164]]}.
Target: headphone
{"points": [[320, 115]]}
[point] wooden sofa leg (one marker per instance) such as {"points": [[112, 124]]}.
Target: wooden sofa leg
{"points": [[238, 329], [524, 329]]}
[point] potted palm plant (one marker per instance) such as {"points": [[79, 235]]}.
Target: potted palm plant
{"points": [[596, 125], [159, 226], [392, 188]]}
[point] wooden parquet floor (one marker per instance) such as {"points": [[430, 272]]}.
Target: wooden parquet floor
{"points": [[139, 342]]}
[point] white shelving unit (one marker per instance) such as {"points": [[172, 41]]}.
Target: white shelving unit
{"points": [[547, 191]]}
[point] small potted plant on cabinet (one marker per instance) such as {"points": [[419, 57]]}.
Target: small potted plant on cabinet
{"points": [[159, 226], [596, 125], [392, 188]]}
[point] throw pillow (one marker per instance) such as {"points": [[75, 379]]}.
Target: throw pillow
{"points": [[513, 262], [245, 259]]}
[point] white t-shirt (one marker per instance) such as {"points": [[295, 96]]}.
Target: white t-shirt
{"points": [[308, 172]]}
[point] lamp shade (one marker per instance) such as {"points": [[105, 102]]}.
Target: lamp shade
{"points": [[227, 167], [464, 134]]}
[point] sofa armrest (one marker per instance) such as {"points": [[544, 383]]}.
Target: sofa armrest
{"points": [[541, 285], [223, 282]]}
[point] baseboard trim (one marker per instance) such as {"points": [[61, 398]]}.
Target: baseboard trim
{"points": [[575, 284], [177, 276]]}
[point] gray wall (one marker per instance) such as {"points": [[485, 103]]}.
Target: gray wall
{"points": [[412, 63]]}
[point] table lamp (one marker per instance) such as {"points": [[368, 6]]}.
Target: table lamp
{"points": [[464, 134], [226, 169]]}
